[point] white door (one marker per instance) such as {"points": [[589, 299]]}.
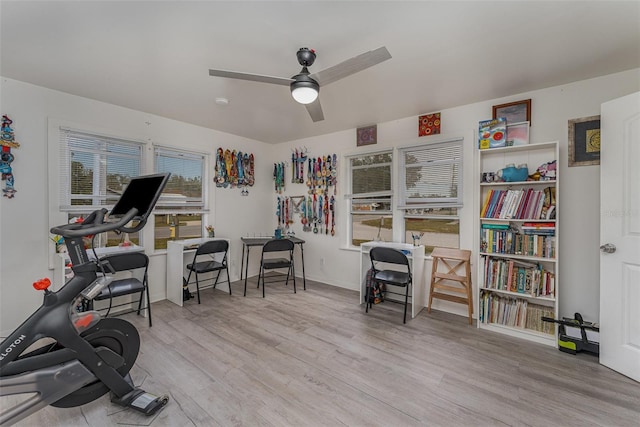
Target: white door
{"points": [[620, 228]]}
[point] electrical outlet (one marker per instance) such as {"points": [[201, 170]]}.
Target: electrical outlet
{"points": [[322, 262]]}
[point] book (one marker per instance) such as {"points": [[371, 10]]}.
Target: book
{"points": [[492, 133]]}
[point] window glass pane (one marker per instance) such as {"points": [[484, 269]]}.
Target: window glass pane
{"points": [[107, 239], [365, 228], [176, 227], [371, 205], [432, 232]]}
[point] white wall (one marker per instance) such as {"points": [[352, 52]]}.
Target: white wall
{"points": [[580, 186], [24, 220]]}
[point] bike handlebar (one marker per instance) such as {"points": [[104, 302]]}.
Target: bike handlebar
{"points": [[93, 224]]}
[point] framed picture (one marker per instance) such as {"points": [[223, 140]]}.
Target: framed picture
{"points": [[367, 135], [584, 141], [514, 112], [517, 134], [429, 124]]}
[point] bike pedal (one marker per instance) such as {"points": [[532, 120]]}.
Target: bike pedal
{"points": [[148, 403], [142, 401]]}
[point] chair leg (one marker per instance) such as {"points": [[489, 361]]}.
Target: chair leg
{"points": [[293, 273], [197, 287], [406, 301], [146, 291], [188, 279], [368, 296], [228, 279], [245, 285], [217, 277]]}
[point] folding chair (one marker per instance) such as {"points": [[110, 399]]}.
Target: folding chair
{"points": [[117, 288], [391, 267], [215, 253], [284, 260]]}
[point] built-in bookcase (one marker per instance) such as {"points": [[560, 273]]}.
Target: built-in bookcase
{"points": [[518, 245]]}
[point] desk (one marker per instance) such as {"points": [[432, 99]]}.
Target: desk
{"points": [[248, 242], [416, 261], [176, 251]]}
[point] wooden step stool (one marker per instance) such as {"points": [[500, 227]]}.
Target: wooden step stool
{"points": [[453, 260]]}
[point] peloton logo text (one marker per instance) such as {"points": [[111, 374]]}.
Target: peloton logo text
{"points": [[13, 345]]}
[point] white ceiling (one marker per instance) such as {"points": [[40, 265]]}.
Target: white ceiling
{"points": [[154, 56]]}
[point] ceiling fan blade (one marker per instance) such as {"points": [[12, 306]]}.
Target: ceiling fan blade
{"points": [[351, 66], [252, 77], [315, 111]]}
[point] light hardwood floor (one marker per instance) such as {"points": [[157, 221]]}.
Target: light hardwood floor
{"points": [[316, 359]]}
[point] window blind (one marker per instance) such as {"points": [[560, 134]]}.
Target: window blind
{"points": [[185, 189], [431, 175], [95, 169], [370, 175]]}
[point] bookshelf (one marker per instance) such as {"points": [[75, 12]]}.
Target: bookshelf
{"points": [[518, 245]]}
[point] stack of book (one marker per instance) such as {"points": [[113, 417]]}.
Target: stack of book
{"points": [[513, 239], [517, 276], [519, 204], [515, 313]]}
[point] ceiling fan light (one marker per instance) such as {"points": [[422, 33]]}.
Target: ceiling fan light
{"points": [[304, 95], [304, 89]]}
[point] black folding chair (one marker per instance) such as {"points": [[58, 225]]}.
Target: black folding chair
{"points": [[283, 260], [117, 288], [210, 251], [391, 267]]}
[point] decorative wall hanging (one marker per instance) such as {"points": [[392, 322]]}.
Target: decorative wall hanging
{"points": [[367, 135], [517, 134], [429, 124], [278, 176], [298, 157], [234, 169], [6, 157], [514, 112], [584, 141]]}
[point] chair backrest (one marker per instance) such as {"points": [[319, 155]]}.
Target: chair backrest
{"points": [[127, 261], [388, 255], [213, 247], [278, 245]]}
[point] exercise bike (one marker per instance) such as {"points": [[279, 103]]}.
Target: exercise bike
{"points": [[89, 356]]}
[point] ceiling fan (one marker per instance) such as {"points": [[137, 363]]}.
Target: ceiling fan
{"points": [[305, 86]]}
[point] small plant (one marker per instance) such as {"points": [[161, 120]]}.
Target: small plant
{"points": [[210, 230]]}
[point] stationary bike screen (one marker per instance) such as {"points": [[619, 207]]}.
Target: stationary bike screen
{"points": [[142, 193]]}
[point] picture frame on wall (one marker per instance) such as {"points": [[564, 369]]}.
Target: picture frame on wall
{"points": [[514, 112], [367, 135], [517, 134], [584, 141]]}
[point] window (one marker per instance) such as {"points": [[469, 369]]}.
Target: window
{"points": [[180, 209], [431, 193], [370, 208], [94, 170]]}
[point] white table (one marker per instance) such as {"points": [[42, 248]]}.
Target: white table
{"points": [[179, 254], [415, 255]]}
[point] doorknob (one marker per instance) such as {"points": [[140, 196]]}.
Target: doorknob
{"points": [[608, 248]]}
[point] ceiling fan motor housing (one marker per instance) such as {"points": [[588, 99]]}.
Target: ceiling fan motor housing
{"points": [[306, 56]]}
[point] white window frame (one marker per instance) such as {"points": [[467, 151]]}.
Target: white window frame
{"points": [[407, 208]]}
